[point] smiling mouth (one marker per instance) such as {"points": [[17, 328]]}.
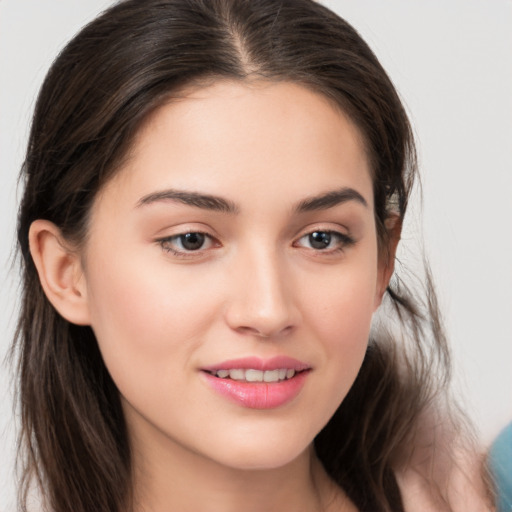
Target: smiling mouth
{"points": [[252, 375]]}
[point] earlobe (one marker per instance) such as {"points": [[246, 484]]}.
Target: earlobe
{"points": [[393, 225], [60, 272]]}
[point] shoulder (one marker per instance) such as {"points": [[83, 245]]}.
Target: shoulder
{"points": [[444, 469]]}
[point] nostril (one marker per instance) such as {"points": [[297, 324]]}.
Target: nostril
{"points": [[253, 331], [262, 333]]}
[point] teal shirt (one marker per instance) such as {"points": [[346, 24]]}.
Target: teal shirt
{"points": [[500, 459]]}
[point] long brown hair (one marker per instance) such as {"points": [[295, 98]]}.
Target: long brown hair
{"points": [[119, 68]]}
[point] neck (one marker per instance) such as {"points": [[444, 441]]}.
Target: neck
{"points": [[174, 478]]}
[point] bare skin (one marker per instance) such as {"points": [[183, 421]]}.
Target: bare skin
{"points": [[288, 170], [442, 469], [302, 486], [256, 285]]}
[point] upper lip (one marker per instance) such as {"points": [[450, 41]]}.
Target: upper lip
{"points": [[257, 363]]}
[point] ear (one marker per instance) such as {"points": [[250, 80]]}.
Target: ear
{"points": [[60, 271], [393, 225]]}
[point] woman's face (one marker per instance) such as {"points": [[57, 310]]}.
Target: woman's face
{"points": [[232, 271]]}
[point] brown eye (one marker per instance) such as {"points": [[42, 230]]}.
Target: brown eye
{"points": [[186, 243], [192, 241], [329, 241], [320, 239]]}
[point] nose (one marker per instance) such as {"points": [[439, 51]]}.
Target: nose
{"points": [[262, 302]]}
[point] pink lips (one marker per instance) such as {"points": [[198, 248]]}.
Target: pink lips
{"points": [[258, 395], [260, 364]]}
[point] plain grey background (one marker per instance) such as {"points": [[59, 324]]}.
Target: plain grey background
{"points": [[451, 61]]}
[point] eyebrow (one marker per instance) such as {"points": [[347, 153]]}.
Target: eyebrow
{"points": [[216, 203], [330, 199], [203, 201]]}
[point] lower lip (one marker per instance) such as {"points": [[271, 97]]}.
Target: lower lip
{"points": [[258, 395]]}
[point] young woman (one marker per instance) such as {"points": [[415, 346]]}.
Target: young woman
{"points": [[214, 196]]}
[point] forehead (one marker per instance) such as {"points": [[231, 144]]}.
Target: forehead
{"points": [[241, 138]]}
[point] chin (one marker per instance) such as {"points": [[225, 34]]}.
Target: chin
{"points": [[265, 453]]}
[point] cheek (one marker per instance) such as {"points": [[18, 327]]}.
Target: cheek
{"points": [[340, 314], [344, 327], [341, 304], [147, 322]]}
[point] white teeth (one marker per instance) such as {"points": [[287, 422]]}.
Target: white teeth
{"points": [[237, 374], [271, 376], [251, 375]]}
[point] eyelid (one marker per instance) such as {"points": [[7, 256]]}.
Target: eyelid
{"points": [[330, 227], [165, 242], [346, 240]]}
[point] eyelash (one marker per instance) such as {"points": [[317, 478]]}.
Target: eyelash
{"points": [[184, 253], [343, 242]]}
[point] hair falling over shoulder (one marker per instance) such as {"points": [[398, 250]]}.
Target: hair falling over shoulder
{"points": [[103, 85]]}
